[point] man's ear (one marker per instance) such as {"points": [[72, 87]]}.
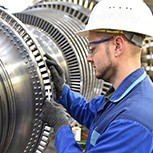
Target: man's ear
{"points": [[119, 43]]}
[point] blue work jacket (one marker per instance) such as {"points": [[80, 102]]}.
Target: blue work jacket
{"points": [[121, 124]]}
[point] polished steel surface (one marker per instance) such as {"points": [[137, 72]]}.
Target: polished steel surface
{"points": [[60, 20], [21, 86], [50, 47]]}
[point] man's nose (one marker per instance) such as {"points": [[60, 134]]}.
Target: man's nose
{"points": [[89, 58]]}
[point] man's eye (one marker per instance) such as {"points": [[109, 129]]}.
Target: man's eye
{"points": [[91, 50]]}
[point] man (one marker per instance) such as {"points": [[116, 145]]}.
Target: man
{"points": [[122, 120]]}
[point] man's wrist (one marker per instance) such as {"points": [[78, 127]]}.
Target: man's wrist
{"points": [[60, 90], [59, 125]]}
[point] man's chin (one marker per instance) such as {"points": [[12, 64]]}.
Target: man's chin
{"points": [[98, 77], [102, 78]]}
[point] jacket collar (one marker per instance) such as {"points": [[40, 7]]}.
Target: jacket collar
{"points": [[128, 84]]}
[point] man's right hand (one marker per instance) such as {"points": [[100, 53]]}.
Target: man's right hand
{"points": [[57, 74], [53, 114]]}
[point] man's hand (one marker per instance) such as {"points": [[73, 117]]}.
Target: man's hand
{"points": [[54, 115], [57, 74]]}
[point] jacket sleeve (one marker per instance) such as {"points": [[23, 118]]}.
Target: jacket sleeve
{"points": [[77, 106], [121, 136]]}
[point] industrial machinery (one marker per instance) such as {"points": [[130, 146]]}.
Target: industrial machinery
{"points": [[25, 38], [23, 77]]}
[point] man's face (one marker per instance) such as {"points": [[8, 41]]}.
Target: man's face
{"points": [[101, 58]]}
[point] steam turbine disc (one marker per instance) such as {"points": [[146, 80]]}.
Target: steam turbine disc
{"points": [[21, 87]]}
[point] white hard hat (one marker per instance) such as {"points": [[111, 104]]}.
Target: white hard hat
{"points": [[127, 15]]}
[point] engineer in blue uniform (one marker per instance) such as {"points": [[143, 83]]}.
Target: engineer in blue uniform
{"points": [[122, 120]]}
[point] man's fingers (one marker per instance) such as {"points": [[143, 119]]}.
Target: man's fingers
{"points": [[54, 73], [55, 103], [47, 103], [55, 64], [49, 57], [57, 67], [51, 63]]}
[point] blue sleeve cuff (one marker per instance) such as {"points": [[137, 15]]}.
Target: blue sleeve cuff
{"points": [[65, 142], [64, 92]]}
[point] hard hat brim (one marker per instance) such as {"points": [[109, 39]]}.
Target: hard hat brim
{"points": [[83, 33]]}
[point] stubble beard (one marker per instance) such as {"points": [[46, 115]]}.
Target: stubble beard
{"points": [[108, 72]]}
